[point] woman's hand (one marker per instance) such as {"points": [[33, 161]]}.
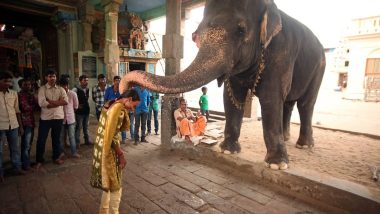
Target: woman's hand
{"points": [[122, 161]]}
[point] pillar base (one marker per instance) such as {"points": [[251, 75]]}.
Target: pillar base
{"points": [[168, 129]]}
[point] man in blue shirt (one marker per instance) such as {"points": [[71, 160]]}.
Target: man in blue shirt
{"points": [[112, 93], [141, 114]]}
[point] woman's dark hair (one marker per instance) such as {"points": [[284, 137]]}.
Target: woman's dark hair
{"points": [[5, 75], [23, 80], [131, 93], [63, 82], [64, 76]]}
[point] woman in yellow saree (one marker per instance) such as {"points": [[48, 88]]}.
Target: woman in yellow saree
{"points": [[108, 158]]}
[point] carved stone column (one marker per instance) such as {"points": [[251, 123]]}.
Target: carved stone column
{"points": [[63, 21], [172, 52], [86, 15], [111, 50]]}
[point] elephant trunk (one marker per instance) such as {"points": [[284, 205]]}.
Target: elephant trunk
{"points": [[207, 66]]}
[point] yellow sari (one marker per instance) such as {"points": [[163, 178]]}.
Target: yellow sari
{"points": [[106, 174]]}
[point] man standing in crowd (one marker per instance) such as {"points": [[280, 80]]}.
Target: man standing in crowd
{"points": [[27, 104], [10, 121], [82, 114], [113, 93], [69, 119], [153, 111], [98, 92], [141, 114], [51, 99]]}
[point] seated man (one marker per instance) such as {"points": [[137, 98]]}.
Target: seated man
{"points": [[188, 125]]}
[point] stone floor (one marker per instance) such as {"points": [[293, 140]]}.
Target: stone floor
{"points": [[154, 181]]}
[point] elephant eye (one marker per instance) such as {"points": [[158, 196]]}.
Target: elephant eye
{"points": [[241, 29]]}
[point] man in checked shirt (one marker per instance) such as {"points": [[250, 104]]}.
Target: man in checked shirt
{"points": [[98, 92]]}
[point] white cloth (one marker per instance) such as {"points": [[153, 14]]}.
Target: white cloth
{"points": [[110, 202]]}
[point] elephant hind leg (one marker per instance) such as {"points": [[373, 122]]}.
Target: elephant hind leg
{"points": [[306, 104], [287, 114], [306, 109]]}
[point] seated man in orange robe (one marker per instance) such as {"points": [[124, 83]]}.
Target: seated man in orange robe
{"points": [[187, 124]]}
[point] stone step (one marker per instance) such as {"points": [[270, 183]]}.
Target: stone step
{"points": [[214, 115]]}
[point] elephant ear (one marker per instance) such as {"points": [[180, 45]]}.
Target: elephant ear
{"points": [[271, 24]]}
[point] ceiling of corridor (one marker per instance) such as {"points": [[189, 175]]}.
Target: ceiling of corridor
{"points": [[46, 5]]}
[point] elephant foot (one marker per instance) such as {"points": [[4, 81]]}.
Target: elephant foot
{"points": [[230, 147], [277, 159], [305, 142], [275, 166]]}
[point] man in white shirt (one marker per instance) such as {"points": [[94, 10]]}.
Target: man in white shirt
{"points": [[51, 99], [10, 121]]}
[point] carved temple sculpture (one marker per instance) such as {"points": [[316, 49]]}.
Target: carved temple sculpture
{"points": [[28, 49], [132, 43]]}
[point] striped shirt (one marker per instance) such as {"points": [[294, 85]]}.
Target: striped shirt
{"points": [[98, 96]]}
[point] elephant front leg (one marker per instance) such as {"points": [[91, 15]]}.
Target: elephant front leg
{"points": [[288, 108], [272, 116], [234, 118]]}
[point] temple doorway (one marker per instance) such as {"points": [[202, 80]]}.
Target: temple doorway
{"points": [[28, 42]]}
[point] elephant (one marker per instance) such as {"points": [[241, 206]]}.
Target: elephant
{"points": [[252, 47]]}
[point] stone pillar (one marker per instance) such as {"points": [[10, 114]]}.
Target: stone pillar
{"points": [[111, 49], [65, 39], [86, 14], [172, 52]]}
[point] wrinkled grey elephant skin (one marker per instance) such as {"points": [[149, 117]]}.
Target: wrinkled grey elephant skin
{"points": [[247, 43]]}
